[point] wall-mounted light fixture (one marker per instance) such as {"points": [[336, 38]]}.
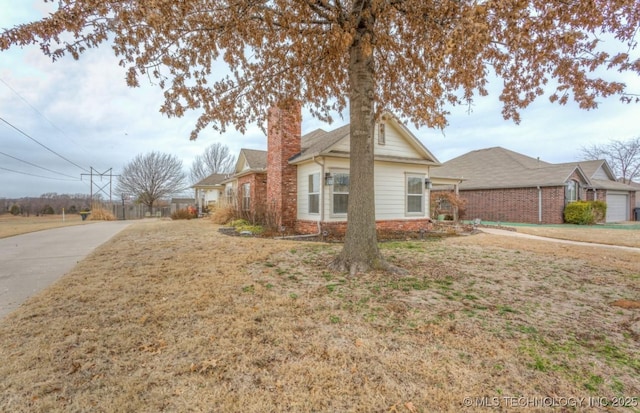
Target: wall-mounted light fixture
{"points": [[328, 179], [427, 183]]}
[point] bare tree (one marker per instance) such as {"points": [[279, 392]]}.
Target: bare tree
{"points": [[623, 157], [412, 57], [151, 177], [216, 159]]}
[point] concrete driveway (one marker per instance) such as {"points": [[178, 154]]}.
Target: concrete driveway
{"points": [[31, 262], [508, 233]]}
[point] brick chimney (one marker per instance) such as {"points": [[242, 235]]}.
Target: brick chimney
{"points": [[284, 126]]}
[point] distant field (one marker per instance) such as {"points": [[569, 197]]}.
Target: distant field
{"points": [[15, 225]]}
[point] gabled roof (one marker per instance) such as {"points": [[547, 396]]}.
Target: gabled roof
{"points": [[211, 180], [253, 159], [320, 142], [598, 169], [498, 167], [256, 159], [592, 167]]}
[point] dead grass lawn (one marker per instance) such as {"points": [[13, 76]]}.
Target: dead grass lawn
{"points": [[173, 316], [15, 225]]}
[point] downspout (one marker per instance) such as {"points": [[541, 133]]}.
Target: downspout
{"points": [[321, 206], [539, 205]]}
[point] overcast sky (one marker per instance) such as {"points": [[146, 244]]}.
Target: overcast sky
{"points": [[83, 111]]}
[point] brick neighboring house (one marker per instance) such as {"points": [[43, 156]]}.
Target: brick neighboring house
{"points": [[246, 189], [502, 185], [301, 182], [620, 197]]}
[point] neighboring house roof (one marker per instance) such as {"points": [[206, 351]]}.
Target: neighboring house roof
{"points": [[597, 167], [602, 176], [249, 161], [211, 180], [498, 167], [254, 158], [611, 185]]}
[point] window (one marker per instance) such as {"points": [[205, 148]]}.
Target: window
{"points": [[229, 196], [246, 196], [340, 192], [571, 191], [314, 193], [415, 194], [381, 134]]}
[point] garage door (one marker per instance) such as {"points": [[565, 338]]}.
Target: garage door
{"points": [[617, 207]]}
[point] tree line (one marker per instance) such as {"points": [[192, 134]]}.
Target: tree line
{"points": [[45, 204]]}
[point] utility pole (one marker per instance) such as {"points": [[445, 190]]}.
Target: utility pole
{"points": [[93, 176]]}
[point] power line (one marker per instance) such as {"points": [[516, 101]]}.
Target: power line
{"points": [[37, 166], [40, 113], [43, 145], [39, 176]]}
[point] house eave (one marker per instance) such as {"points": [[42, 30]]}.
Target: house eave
{"points": [[381, 158], [244, 173]]}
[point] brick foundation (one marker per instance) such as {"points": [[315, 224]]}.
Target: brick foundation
{"points": [[338, 229]]}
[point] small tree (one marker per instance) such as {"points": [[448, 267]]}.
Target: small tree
{"points": [[216, 159], [151, 177], [622, 156], [15, 210]]}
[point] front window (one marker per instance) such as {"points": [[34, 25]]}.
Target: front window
{"points": [[571, 191], [229, 196], [340, 192], [246, 196], [415, 194], [314, 193]]}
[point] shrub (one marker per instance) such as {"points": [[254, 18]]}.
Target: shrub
{"points": [[223, 215], [599, 209], [254, 229], [184, 214], [99, 214], [579, 212], [15, 210], [239, 223], [243, 225]]}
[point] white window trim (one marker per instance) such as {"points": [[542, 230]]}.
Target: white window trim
{"points": [[422, 177], [334, 172], [576, 190], [317, 192], [246, 194]]}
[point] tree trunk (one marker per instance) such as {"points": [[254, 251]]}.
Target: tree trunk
{"points": [[360, 252]]}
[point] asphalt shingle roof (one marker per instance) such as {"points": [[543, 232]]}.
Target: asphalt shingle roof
{"points": [[501, 168], [213, 179], [256, 159]]}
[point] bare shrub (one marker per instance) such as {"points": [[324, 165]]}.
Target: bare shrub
{"points": [[184, 214], [223, 215], [100, 214]]}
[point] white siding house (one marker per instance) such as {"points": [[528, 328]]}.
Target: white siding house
{"points": [[402, 166]]}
